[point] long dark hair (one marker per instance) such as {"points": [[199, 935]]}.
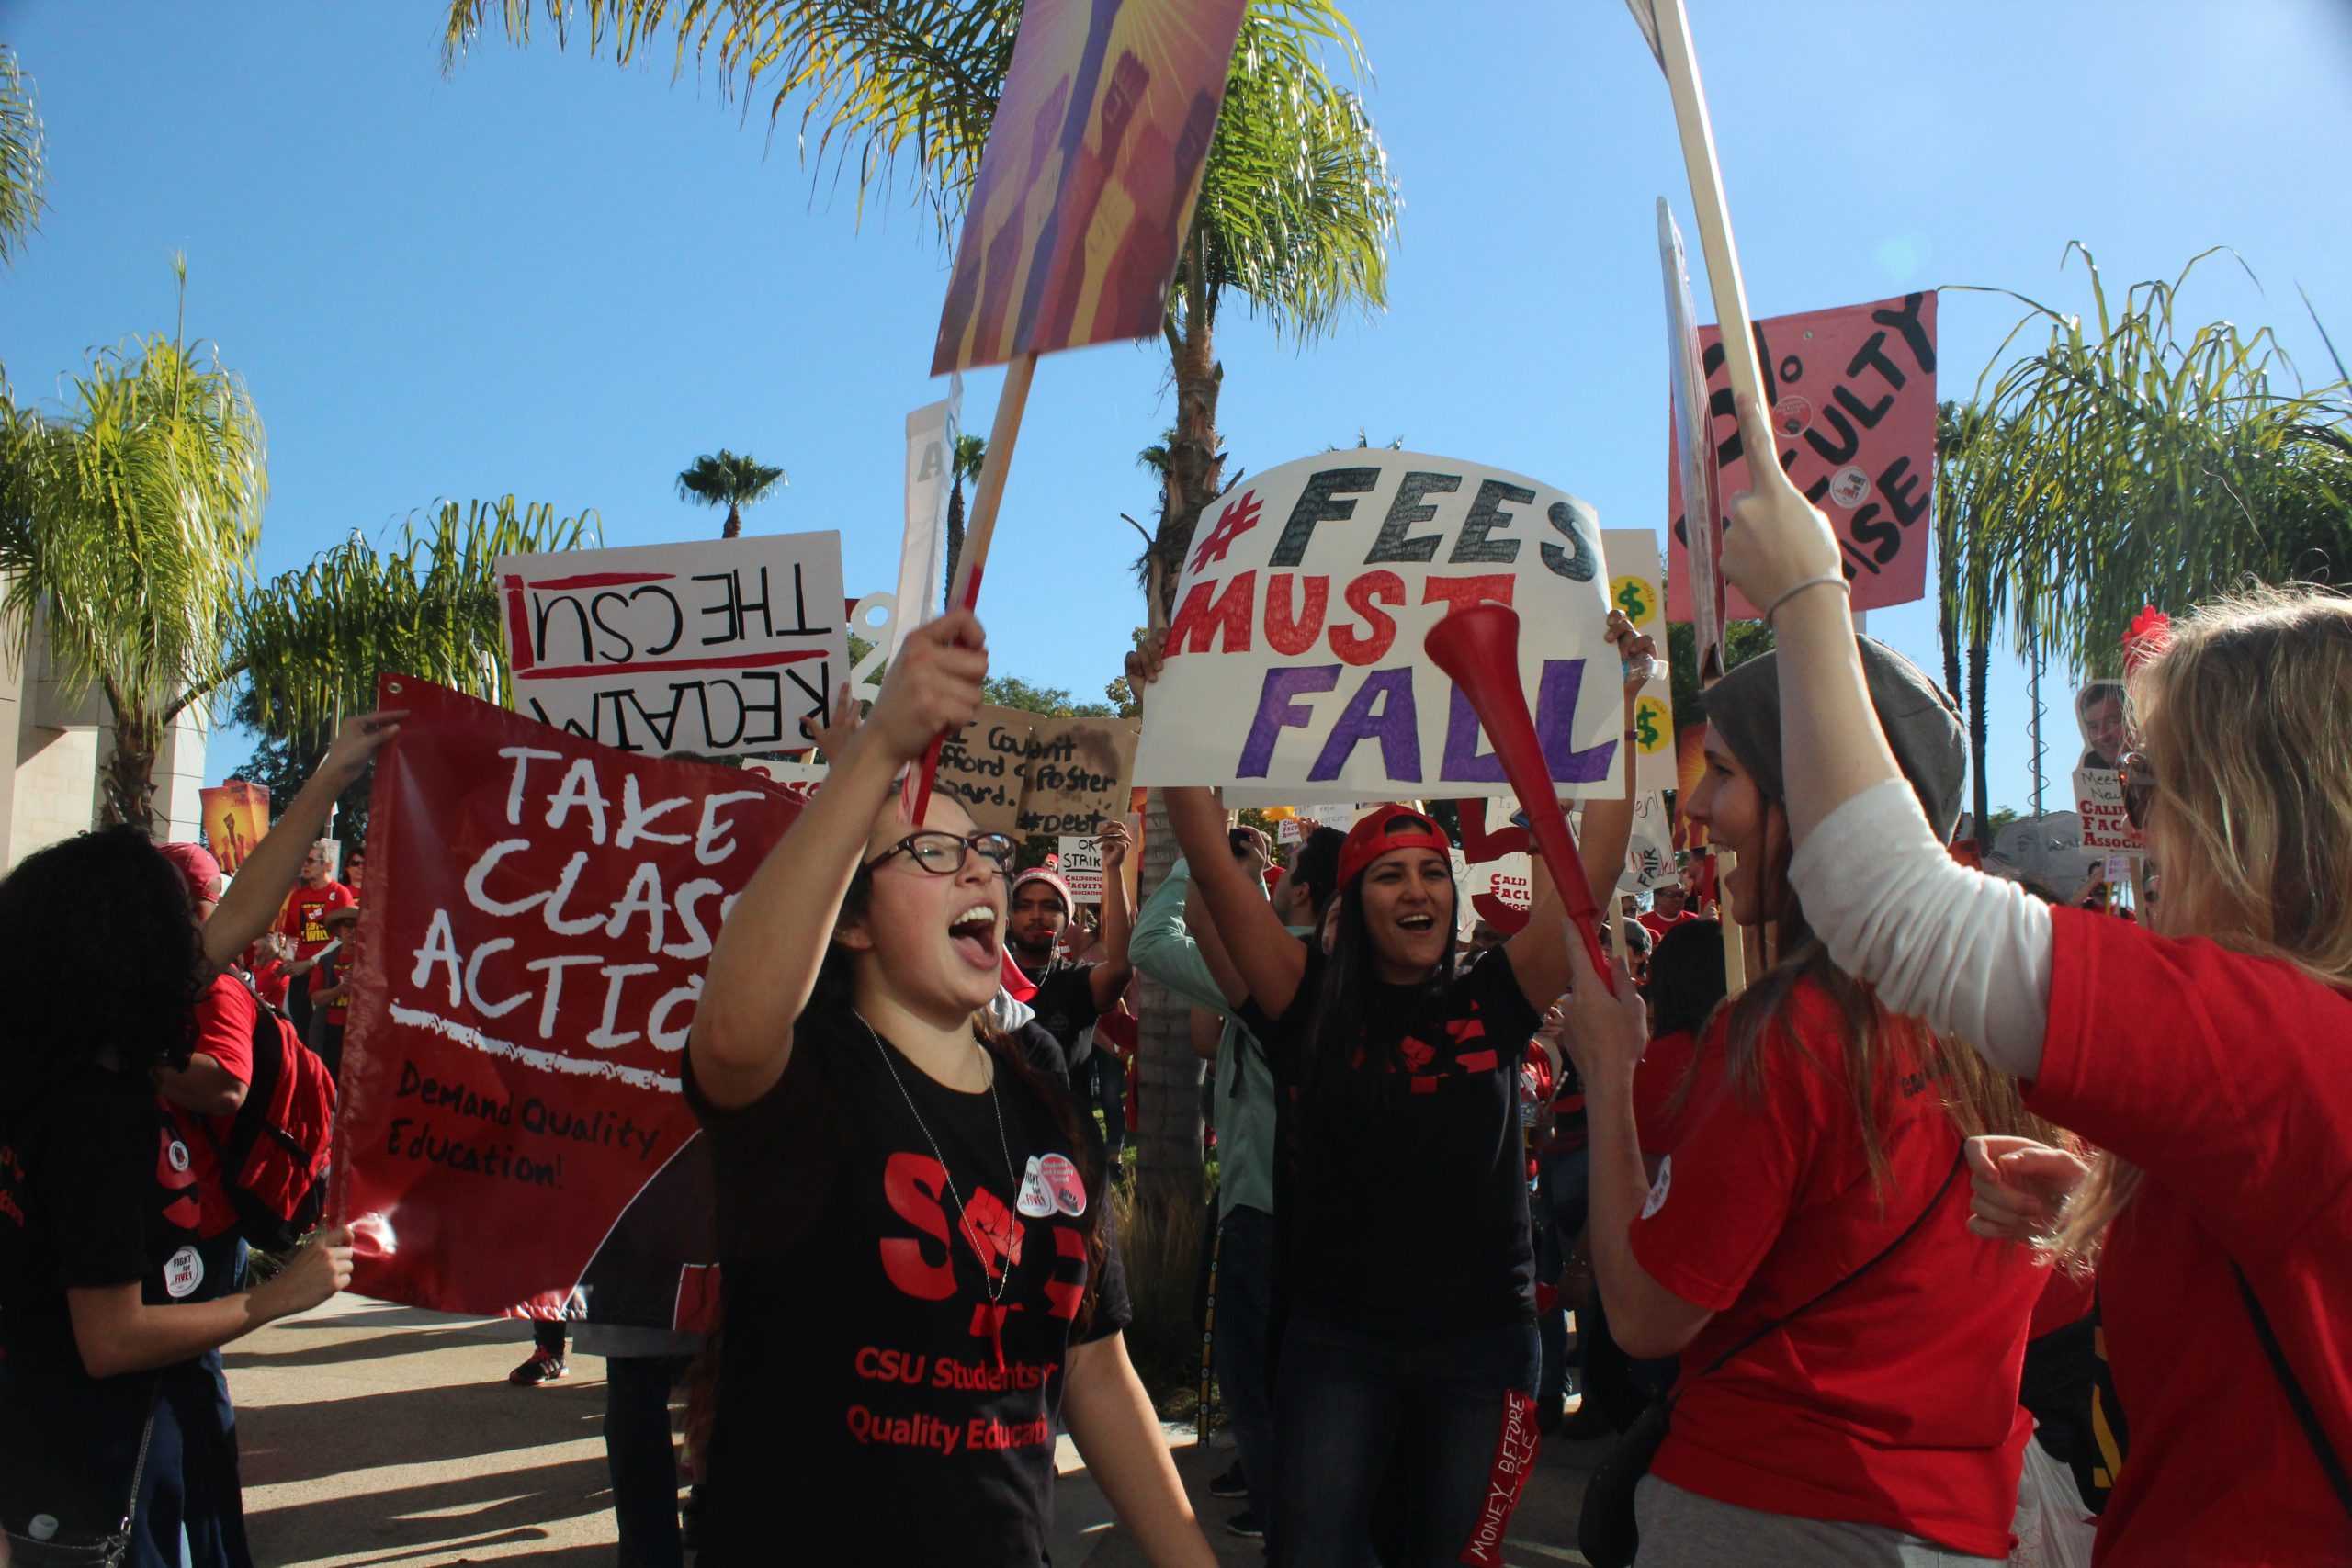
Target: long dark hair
{"points": [[834, 997], [99, 953], [1350, 976]]}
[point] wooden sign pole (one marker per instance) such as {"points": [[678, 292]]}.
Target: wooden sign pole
{"points": [[1004, 433], [1680, 63]]}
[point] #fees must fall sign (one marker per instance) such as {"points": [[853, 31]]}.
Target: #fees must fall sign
{"points": [[714, 646], [1295, 657]]}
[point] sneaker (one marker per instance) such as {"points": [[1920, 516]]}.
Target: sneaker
{"points": [[1232, 1483], [1245, 1525], [541, 1368]]}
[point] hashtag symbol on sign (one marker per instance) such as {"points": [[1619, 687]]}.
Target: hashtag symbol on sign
{"points": [[1238, 518], [1645, 727]]}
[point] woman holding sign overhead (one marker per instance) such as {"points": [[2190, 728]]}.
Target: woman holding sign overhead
{"points": [[2204, 1051], [1407, 1373], [919, 1276]]}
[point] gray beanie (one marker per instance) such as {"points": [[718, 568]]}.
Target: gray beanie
{"points": [[1922, 726]]}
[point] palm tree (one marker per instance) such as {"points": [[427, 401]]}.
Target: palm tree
{"points": [[725, 479], [971, 452], [24, 167], [1296, 212], [128, 525], [311, 642]]}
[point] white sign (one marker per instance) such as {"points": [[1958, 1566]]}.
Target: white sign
{"points": [[1636, 588], [1649, 853], [715, 646], [2099, 797], [922, 552], [1295, 657], [1081, 867]]}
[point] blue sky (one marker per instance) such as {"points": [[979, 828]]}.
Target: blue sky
{"points": [[547, 276]]}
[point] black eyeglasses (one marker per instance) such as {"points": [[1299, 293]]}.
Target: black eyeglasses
{"points": [[943, 855], [2139, 786]]}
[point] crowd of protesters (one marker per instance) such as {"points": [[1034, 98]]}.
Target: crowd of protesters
{"points": [[1878, 1261]]}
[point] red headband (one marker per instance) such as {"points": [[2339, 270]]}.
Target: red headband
{"points": [[1370, 839]]}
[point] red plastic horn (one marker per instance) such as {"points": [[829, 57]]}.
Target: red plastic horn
{"points": [[1477, 647]]}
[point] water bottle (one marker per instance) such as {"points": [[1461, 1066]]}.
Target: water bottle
{"points": [[41, 1527]]}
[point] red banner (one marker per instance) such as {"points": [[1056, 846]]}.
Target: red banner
{"points": [[1853, 394], [539, 913]]}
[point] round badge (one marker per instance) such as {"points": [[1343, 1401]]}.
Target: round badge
{"points": [[183, 1273], [177, 1153], [1656, 1199], [1792, 415], [1848, 486], [1062, 1182]]}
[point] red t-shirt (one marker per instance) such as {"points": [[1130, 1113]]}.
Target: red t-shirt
{"points": [[224, 1032], [1894, 1403], [2227, 1081], [304, 916], [1657, 1118], [1657, 925]]}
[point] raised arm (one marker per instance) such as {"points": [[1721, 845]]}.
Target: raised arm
{"points": [[257, 892], [1968, 952], [765, 963], [1213, 956], [1270, 964], [1109, 978]]}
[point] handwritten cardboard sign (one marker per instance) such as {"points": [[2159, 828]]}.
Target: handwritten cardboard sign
{"points": [[1022, 773], [1853, 395], [1295, 657], [2098, 800], [714, 646], [1085, 194], [1081, 867], [511, 1130]]}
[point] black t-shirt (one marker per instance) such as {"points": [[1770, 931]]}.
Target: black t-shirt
{"points": [[99, 1186], [1064, 1004], [869, 1391], [1404, 1193]]}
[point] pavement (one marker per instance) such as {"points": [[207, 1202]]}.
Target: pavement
{"points": [[374, 1434]]}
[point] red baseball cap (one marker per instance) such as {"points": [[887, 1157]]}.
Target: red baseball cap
{"points": [[198, 869], [1389, 829]]}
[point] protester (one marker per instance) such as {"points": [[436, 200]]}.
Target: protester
{"points": [[642, 1366], [1849, 1353], [2203, 1052], [1071, 995], [331, 986], [1668, 908], [1408, 1258], [1175, 942], [909, 1316], [113, 1303], [304, 924], [355, 872], [2098, 709]]}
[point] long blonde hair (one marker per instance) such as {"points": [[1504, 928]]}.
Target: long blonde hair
{"points": [[2246, 721]]}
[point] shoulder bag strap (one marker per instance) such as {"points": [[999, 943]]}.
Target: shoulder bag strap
{"points": [[2305, 1415], [1879, 1257]]}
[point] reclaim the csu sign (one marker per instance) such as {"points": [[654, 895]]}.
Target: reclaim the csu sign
{"points": [[713, 648]]}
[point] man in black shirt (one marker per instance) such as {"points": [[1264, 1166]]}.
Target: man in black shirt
{"points": [[1071, 996]]}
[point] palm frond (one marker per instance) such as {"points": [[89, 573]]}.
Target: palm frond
{"points": [[24, 164]]}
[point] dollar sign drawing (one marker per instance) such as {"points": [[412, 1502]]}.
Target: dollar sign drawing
{"points": [[1645, 727], [1630, 600]]}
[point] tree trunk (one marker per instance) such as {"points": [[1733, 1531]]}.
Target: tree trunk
{"points": [[1195, 471], [1168, 1141], [129, 780], [734, 528], [955, 541], [1980, 662]]}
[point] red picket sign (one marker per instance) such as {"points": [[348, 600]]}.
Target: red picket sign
{"points": [[1853, 395], [511, 1129]]}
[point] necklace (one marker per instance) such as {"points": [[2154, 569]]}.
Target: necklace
{"points": [[993, 1280]]}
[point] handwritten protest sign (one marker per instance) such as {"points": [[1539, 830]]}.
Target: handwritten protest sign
{"points": [[1295, 658], [511, 1126], [1086, 192], [716, 646], [1853, 396], [1022, 773], [236, 817], [1635, 587], [2098, 799], [1081, 867]]}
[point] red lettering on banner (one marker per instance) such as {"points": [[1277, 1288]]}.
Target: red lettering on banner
{"points": [[1461, 593], [1198, 620], [1514, 1460], [911, 1184], [1354, 647], [1291, 636]]}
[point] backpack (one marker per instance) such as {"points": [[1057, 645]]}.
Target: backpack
{"points": [[274, 1159]]}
